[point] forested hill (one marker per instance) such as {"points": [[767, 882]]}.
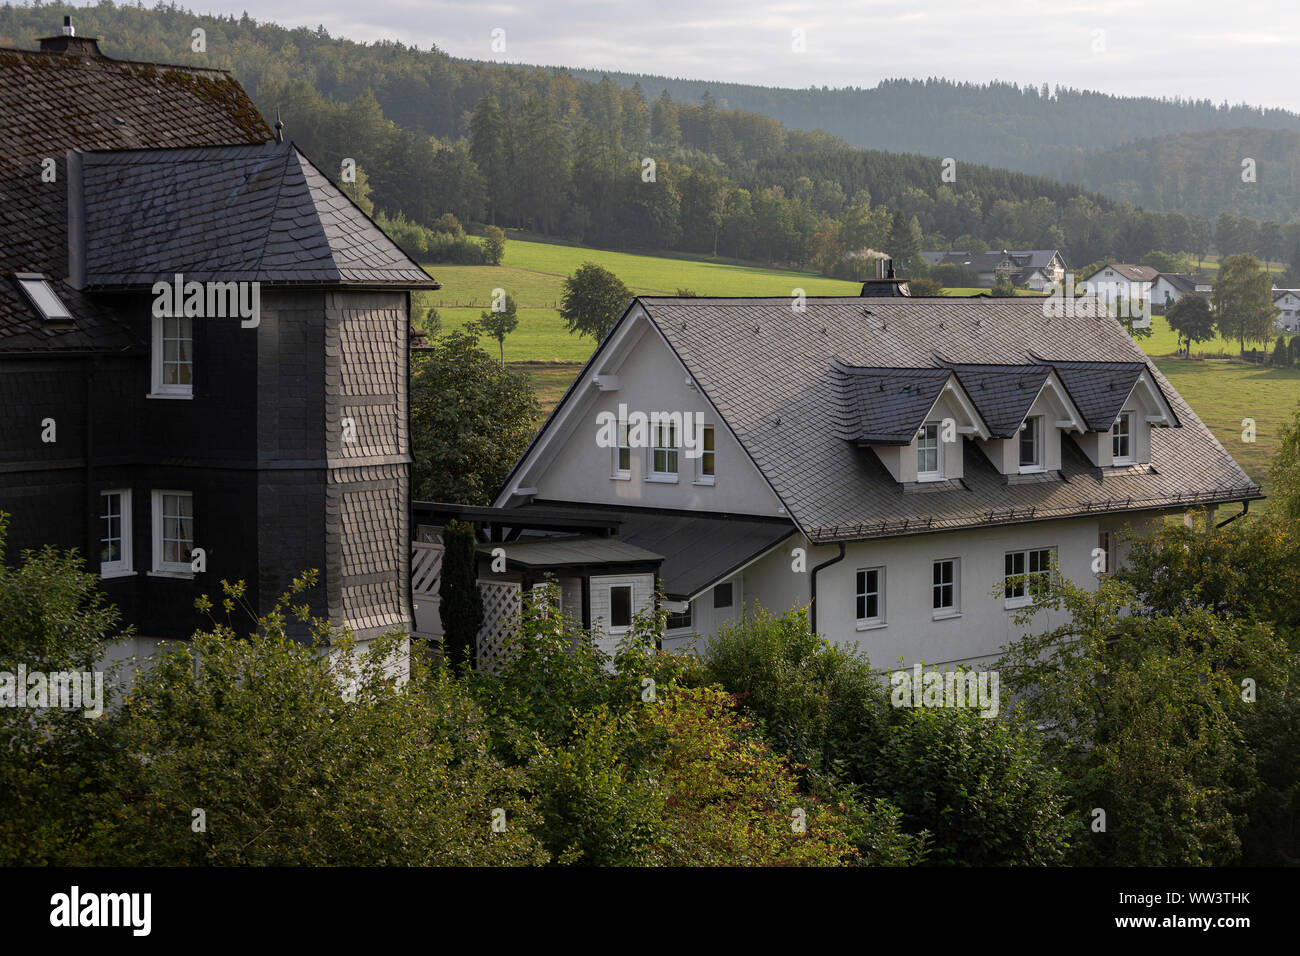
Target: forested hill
{"points": [[1031, 129], [544, 150]]}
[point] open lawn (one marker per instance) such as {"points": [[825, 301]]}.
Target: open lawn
{"points": [[1223, 393]]}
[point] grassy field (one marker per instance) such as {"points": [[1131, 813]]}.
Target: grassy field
{"points": [[1221, 392]]}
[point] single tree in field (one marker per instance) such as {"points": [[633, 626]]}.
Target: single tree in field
{"points": [[1003, 287], [1243, 300], [499, 324], [593, 300], [460, 606], [1192, 319]]}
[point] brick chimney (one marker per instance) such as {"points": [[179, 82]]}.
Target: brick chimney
{"points": [[69, 44]]}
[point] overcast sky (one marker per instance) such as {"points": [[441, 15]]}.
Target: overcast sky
{"points": [[1244, 50]]}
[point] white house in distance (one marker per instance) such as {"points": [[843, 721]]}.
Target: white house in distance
{"points": [[1169, 287], [1119, 280], [1032, 268], [901, 466], [1288, 300]]}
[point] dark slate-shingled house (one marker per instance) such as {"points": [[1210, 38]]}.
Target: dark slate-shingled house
{"points": [[252, 429]]}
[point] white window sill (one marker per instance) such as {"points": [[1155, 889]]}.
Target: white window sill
{"points": [[119, 573], [945, 615], [871, 625], [1012, 603], [625, 476], [1123, 462], [662, 479], [174, 397], [925, 478], [1032, 470], [185, 575], [705, 482]]}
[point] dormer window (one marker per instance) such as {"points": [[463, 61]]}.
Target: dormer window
{"points": [[1121, 439], [43, 298], [1031, 444], [929, 461]]}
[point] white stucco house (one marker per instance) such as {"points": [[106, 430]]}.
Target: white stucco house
{"points": [[1119, 281], [1288, 301], [1169, 287], [901, 466]]}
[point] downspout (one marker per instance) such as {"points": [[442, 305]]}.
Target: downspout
{"points": [[812, 596], [1245, 506], [88, 451]]}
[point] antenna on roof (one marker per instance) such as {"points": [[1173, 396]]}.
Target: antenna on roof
{"points": [[68, 29], [279, 128]]}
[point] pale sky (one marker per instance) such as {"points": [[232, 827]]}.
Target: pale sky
{"points": [[1245, 50]]}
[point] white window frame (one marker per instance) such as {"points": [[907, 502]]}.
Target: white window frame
{"points": [[631, 608], [621, 449], [671, 453], [169, 569], [1129, 420], [1106, 542], [122, 566], [1036, 426], [689, 614], [953, 609], [709, 454], [1025, 596], [860, 593], [923, 435], [157, 387]]}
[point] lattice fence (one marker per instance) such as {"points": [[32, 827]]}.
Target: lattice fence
{"points": [[502, 606], [426, 572]]}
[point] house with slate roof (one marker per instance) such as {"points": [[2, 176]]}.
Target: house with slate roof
{"points": [[1169, 287], [1032, 268], [251, 426], [905, 467]]}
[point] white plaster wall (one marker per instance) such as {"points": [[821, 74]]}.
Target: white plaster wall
{"points": [[652, 379]]}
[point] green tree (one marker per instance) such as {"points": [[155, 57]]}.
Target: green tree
{"points": [[1281, 353], [593, 300], [1003, 287], [1192, 319], [359, 192], [494, 245], [500, 324], [904, 242], [471, 420], [460, 605], [488, 149], [1243, 300], [1285, 468]]}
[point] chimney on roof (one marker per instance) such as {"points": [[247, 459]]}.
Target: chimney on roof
{"points": [[68, 43], [886, 282]]}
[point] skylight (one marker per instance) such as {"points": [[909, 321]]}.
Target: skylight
{"points": [[41, 295]]}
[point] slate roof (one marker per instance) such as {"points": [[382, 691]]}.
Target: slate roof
{"points": [[1099, 389], [1131, 272], [1185, 281], [698, 550], [883, 406], [232, 213], [54, 101], [771, 372], [1002, 394], [570, 551]]}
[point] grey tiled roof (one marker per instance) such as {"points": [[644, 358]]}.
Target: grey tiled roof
{"points": [[1002, 394], [228, 213], [51, 102], [883, 406], [1099, 389], [769, 371]]}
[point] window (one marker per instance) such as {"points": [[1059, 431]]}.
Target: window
{"points": [[704, 470], [173, 357], [620, 606], [173, 532], [927, 453], [722, 596], [871, 597], [115, 533], [946, 594], [1121, 439], [1106, 545], [622, 454], [679, 619], [1020, 586], [1031, 443], [42, 296], [664, 456]]}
